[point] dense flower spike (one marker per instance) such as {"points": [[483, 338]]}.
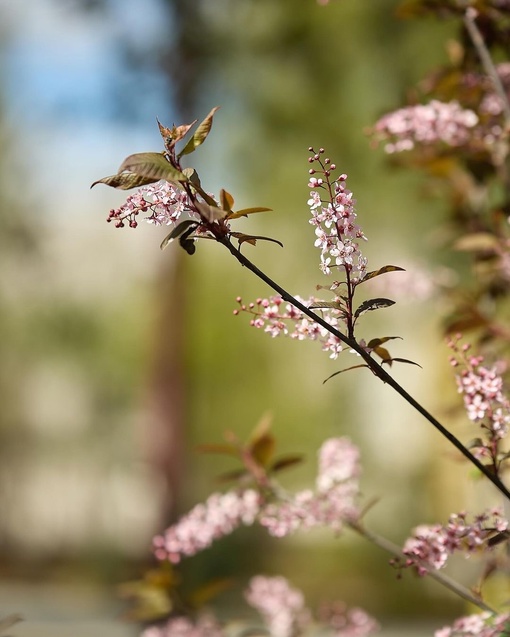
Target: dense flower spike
{"points": [[425, 124], [279, 319], [334, 218], [281, 606], [220, 515], [334, 501], [430, 546], [485, 402], [481, 625]]}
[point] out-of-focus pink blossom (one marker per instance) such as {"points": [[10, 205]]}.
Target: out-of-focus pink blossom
{"points": [[219, 515], [430, 546], [334, 501], [281, 606], [425, 124], [205, 626], [482, 390], [482, 625], [347, 622]]}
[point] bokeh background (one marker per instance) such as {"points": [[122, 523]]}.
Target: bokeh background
{"points": [[118, 359]]}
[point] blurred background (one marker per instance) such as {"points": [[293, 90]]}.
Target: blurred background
{"points": [[118, 359]]}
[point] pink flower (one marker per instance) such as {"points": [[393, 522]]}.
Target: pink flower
{"points": [[432, 123], [332, 504], [205, 626], [281, 606], [481, 625], [220, 515]]}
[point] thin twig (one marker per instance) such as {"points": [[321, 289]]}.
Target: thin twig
{"points": [[486, 60], [373, 365], [443, 579]]}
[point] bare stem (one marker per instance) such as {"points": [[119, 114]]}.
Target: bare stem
{"points": [[486, 59], [372, 364], [443, 579]]}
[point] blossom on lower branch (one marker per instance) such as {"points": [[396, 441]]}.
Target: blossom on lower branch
{"points": [[331, 504], [480, 625], [431, 545]]}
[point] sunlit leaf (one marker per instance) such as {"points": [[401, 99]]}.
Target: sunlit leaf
{"points": [[200, 135], [252, 239], [262, 449], [373, 304], [383, 270], [374, 342], [226, 200], [193, 178], [179, 229], [125, 181], [152, 165], [244, 212], [347, 369], [383, 354]]}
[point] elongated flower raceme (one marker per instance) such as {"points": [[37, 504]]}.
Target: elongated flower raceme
{"points": [[481, 625], [332, 207]]}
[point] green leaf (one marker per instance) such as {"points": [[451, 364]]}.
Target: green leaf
{"points": [[406, 360], [372, 304], [383, 339], [247, 211], [193, 177], [179, 229], [286, 461], [252, 238], [348, 369], [205, 593], [262, 449], [125, 181], [200, 135], [383, 354], [226, 200], [383, 270], [152, 165]]}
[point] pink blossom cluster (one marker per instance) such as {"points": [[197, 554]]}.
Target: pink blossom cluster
{"points": [[347, 622], [162, 201], [281, 606], [279, 319], [205, 626], [218, 516], [445, 122], [332, 207], [285, 615], [430, 546], [331, 504], [481, 625], [482, 390]]}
